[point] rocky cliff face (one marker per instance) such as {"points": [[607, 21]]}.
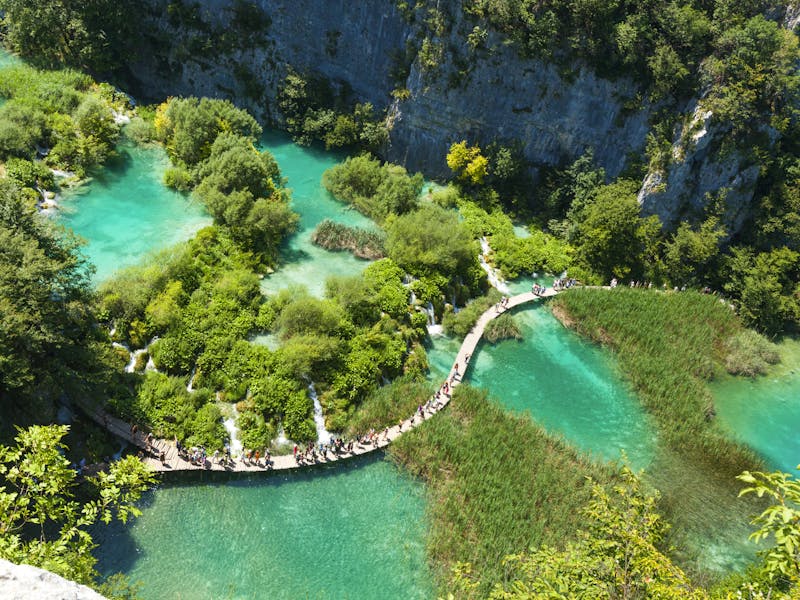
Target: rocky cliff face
{"points": [[699, 176], [504, 99], [360, 45], [23, 582], [368, 48]]}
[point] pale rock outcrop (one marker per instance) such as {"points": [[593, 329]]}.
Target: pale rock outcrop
{"points": [[24, 582], [698, 175]]}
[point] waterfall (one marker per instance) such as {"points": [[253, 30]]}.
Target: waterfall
{"points": [[494, 277], [189, 387], [431, 313], [412, 299], [433, 328], [323, 435], [129, 368], [233, 433]]}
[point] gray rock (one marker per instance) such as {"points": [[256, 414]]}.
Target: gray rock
{"points": [[358, 45], [698, 176], [24, 582]]}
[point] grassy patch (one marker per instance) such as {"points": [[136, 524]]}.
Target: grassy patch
{"points": [[388, 404], [499, 484], [361, 242], [503, 327], [669, 346]]}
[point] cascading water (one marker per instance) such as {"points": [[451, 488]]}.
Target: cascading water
{"points": [[189, 386], [495, 280], [233, 433], [431, 313], [323, 435], [433, 328], [131, 366]]}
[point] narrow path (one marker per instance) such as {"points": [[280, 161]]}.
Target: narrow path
{"points": [[173, 462]]}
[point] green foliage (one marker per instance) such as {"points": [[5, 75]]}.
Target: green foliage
{"points": [[765, 286], [63, 111], [313, 110], [212, 144], [29, 174], [375, 190], [467, 162], [90, 34], [388, 404], [41, 523], [611, 237], [754, 75], [163, 402], [471, 457], [363, 243], [310, 316], [617, 556], [431, 241], [459, 324], [780, 520], [689, 255], [188, 127], [514, 256], [46, 323], [502, 328]]}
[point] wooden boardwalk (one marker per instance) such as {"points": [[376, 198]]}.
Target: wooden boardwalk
{"points": [[173, 462]]}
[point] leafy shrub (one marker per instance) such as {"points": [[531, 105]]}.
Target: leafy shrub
{"points": [[749, 353], [502, 328]]}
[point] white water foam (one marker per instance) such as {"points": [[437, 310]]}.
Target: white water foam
{"points": [[233, 433], [494, 277], [323, 435]]}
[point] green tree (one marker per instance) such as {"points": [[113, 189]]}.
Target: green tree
{"points": [[41, 523], [610, 236], [689, 255], [46, 321], [617, 556], [780, 521], [91, 34], [429, 241], [467, 162]]}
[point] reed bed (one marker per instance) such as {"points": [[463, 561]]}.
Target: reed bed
{"points": [[669, 345], [499, 484], [361, 242]]}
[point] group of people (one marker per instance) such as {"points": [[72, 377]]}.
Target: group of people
{"points": [[564, 283], [502, 305], [314, 453]]}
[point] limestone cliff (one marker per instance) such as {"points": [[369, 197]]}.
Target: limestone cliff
{"points": [[698, 176], [370, 49], [24, 582], [363, 46]]}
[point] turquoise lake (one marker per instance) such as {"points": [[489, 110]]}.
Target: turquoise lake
{"points": [[356, 530], [764, 412], [126, 212], [303, 263]]}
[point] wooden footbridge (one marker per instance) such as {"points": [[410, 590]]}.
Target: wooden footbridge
{"points": [[173, 461]]}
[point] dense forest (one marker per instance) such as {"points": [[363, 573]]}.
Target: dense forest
{"points": [[191, 309]]}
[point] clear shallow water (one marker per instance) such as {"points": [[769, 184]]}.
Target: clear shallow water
{"points": [[353, 531], [569, 386], [765, 412], [303, 263], [126, 212]]}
